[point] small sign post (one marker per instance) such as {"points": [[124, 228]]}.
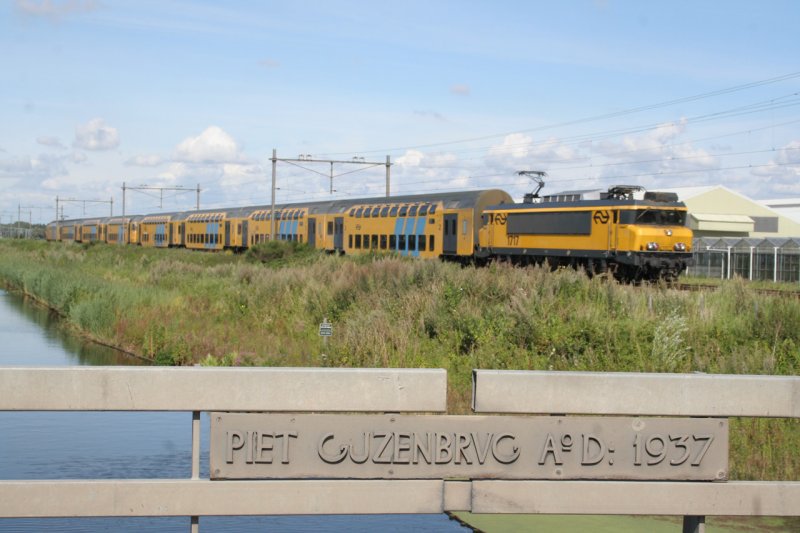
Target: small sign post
{"points": [[325, 331]]}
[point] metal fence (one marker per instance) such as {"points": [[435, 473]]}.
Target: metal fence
{"points": [[776, 260]]}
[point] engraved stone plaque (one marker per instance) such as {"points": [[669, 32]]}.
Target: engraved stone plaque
{"points": [[297, 446]]}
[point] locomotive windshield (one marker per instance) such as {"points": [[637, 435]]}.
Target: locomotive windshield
{"points": [[653, 217]]}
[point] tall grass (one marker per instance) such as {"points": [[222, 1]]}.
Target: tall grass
{"points": [[181, 307]]}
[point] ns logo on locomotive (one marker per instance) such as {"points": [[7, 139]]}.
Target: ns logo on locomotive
{"points": [[632, 234]]}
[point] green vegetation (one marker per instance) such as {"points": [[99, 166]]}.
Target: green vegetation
{"points": [[182, 307], [513, 523]]}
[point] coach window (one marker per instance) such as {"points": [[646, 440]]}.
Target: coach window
{"points": [[423, 210], [330, 228], [433, 209], [239, 229], [376, 212], [359, 211], [374, 242], [358, 242], [385, 211], [350, 241], [383, 242], [352, 211], [430, 243], [421, 242], [393, 211], [403, 211], [392, 242], [412, 243], [402, 242], [412, 211]]}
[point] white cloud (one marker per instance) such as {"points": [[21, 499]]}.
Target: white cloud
{"points": [[781, 175], [412, 158], [214, 145], [96, 135], [144, 160], [516, 146], [653, 157], [234, 174], [175, 172], [37, 167], [461, 89], [52, 142], [520, 146]]}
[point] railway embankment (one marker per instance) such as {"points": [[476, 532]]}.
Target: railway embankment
{"points": [[179, 307]]}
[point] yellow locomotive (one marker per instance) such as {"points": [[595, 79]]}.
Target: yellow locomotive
{"points": [[632, 238]]}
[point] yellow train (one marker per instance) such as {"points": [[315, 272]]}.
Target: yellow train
{"points": [[632, 238]]}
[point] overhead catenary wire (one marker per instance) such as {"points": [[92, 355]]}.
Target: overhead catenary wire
{"points": [[771, 105], [594, 118]]}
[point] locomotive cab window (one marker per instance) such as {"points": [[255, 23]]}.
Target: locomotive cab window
{"points": [[653, 217]]}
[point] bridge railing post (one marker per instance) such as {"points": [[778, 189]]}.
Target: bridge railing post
{"points": [[694, 524], [195, 520]]}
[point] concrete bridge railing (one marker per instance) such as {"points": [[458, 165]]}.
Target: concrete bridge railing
{"points": [[502, 472]]}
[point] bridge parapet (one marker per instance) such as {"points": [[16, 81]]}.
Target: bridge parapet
{"points": [[512, 462]]}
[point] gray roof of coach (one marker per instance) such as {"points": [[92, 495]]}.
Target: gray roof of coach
{"points": [[451, 200]]}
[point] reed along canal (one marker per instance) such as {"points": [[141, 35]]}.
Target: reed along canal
{"points": [[114, 445]]}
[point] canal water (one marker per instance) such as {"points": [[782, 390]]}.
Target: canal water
{"points": [[50, 445]]}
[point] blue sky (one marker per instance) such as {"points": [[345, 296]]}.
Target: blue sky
{"points": [[460, 94]]}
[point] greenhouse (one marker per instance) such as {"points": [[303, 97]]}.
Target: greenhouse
{"points": [[773, 259]]}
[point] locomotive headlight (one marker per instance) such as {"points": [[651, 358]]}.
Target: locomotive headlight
{"points": [[652, 246], [680, 247]]}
